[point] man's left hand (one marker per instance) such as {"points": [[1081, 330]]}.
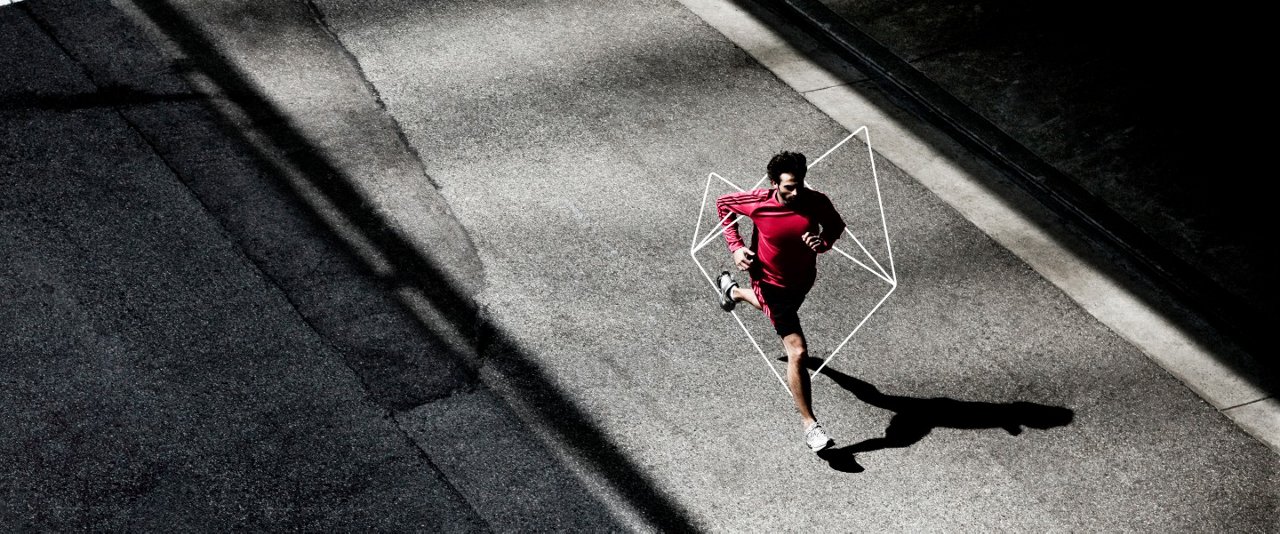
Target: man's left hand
{"points": [[814, 242]]}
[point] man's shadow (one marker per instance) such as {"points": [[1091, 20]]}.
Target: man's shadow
{"points": [[914, 417]]}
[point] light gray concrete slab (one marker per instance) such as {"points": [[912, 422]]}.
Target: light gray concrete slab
{"points": [[790, 62], [1260, 418]]}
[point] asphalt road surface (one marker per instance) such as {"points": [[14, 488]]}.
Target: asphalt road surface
{"points": [[425, 266]]}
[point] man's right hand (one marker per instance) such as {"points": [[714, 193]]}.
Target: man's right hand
{"points": [[743, 258]]}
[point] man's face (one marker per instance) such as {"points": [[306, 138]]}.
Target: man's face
{"points": [[789, 188]]}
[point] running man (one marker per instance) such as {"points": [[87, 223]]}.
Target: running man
{"points": [[793, 224]]}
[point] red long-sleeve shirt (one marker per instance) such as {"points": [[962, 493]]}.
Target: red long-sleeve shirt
{"points": [[782, 257]]}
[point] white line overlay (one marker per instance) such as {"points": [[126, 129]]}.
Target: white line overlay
{"points": [[890, 277]]}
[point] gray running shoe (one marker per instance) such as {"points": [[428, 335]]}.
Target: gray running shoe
{"points": [[726, 284], [816, 438]]}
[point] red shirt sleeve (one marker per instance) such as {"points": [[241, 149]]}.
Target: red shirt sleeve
{"points": [[728, 207]]}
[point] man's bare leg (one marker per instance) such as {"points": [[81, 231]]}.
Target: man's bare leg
{"points": [[746, 295], [797, 350], [798, 376]]}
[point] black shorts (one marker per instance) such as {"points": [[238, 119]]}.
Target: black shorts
{"points": [[781, 306]]}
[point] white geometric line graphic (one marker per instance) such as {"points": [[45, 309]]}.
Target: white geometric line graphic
{"points": [[890, 276]]}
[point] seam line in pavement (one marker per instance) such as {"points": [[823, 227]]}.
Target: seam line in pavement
{"points": [[323, 23], [1254, 401], [426, 458], [824, 88]]}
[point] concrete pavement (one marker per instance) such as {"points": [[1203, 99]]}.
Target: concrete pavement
{"points": [[567, 141]]}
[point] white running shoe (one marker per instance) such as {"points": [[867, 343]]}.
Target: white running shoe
{"points": [[816, 438], [726, 284]]}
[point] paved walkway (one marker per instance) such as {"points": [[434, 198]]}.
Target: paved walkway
{"points": [[348, 242]]}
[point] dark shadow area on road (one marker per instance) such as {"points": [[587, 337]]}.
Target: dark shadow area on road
{"points": [[569, 423], [1127, 253], [914, 417], [104, 98]]}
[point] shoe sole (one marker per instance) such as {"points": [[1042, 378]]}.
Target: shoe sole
{"points": [[725, 303]]}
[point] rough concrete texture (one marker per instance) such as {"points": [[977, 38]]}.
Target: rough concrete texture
{"points": [[242, 386], [156, 379]]}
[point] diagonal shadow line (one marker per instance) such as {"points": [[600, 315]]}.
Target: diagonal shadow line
{"points": [[569, 423], [109, 97], [914, 418]]}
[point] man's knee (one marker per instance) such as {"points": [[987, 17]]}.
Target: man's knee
{"points": [[795, 348]]}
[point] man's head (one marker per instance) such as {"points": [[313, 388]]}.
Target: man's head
{"points": [[786, 173]]}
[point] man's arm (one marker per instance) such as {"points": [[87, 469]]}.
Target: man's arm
{"points": [[832, 228], [728, 208]]}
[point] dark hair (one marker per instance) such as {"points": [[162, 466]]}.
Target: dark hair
{"points": [[787, 162]]}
